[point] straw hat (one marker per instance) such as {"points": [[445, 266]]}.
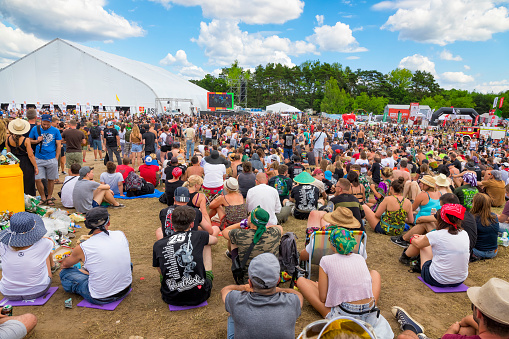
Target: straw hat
{"points": [[342, 217], [441, 180], [19, 126], [492, 299], [428, 180], [231, 184]]}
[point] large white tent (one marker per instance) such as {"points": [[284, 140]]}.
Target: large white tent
{"points": [[281, 107], [63, 71]]}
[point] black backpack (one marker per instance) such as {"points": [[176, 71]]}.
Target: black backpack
{"points": [[289, 255], [95, 132]]}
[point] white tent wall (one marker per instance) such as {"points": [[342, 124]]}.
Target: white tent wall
{"points": [[62, 71]]}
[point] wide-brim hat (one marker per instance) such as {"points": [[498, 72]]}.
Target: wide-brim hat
{"points": [[441, 180], [19, 126], [342, 217], [25, 230], [214, 158], [304, 178], [428, 180], [231, 184], [492, 299]]}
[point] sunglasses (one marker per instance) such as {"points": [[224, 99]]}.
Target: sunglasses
{"points": [[330, 328]]}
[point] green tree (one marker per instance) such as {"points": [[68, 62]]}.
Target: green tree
{"points": [[335, 100], [400, 78]]}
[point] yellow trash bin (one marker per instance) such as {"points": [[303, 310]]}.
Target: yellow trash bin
{"points": [[12, 196]]}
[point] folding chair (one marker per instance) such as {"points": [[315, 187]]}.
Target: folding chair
{"points": [[322, 247]]}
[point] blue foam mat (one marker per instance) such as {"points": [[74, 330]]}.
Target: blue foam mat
{"points": [[156, 194]]}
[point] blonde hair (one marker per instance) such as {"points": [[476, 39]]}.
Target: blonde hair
{"points": [[136, 132], [193, 180], [3, 130]]}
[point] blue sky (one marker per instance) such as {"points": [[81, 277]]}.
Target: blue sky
{"points": [[464, 43]]}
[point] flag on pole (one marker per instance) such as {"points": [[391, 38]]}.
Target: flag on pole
{"points": [[399, 117], [495, 102], [501, 102], [118, 100], [453, 111], [445, 120], [385, 116]]}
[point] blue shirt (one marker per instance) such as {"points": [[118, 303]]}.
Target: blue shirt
{"points": [[49, 142]]}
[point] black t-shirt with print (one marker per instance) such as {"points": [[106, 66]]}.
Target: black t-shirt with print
{"points": [[295, 169], [110, 134], [306, 197], [180, 258], [288, 139]]}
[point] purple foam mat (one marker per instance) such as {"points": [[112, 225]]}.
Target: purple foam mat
{"points": [[32, 302], [182, 308], [460, 288], [108, 307]]}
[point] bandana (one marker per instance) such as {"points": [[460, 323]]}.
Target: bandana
{"points": [[342, 239], [470, 178], [100, 226], [259, 217], [452, 209]]}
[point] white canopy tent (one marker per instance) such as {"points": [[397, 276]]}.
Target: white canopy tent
{"points": [[281, 107], [63, 71]]}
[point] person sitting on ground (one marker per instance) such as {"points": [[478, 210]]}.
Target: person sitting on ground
{"points": [[282, 183], [503, 218], [106, 275], [468, 190], [171, 185], [428, 201], [343, 198], [150, 171], [382, 189], [27, 259], [444, 254], [125, 169], [214, 174], [392, 214], [196, 199], [262, 302], [256, 163], [267, 197], [113, 179], [255, 230], [229, 206], [246, 179], [184, 259], [88, 194], [357, 189], [486, 246], [170, 165], [346, 287], [319, 176], [195, 168], [443, 183], [182, 198], [18, 326], [304, 196], [68, 186], [494, 187]]}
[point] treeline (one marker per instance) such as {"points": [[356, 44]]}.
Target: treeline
{"points": [[333, 89]]}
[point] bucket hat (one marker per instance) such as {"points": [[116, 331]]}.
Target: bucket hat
{"points": [[25, 230], [231, 184], [342, 217], [214, 158], [492, 299], [304, 178], [19, 126]]}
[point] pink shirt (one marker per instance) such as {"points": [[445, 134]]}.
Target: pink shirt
{"points": [[349, 278]]}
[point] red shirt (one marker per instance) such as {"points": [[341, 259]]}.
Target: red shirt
{"points": [[125, 170], [356, 156], [148, 172]]}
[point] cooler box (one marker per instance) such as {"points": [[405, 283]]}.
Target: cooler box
{"points": [[12, 196]]}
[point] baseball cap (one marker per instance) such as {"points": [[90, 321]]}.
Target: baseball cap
{"points": [[97, 217], [264, 271], [328, 175], [84, 171], [148, 160], [110, 123], [182, 194], [46, 117]]}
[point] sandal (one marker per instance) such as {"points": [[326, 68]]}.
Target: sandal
{"points": [[50, 202], [55, 267], [43, 202]]}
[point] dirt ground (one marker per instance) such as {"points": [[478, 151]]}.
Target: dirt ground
{"points": [[144, 314]]}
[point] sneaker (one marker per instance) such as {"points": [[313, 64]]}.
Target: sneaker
{"points": [[329, 207], [422, 336], [228, 254], [405, 259], [119, 206], [405, 320], [398, 240]]}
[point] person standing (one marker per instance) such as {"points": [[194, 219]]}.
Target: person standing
{"points": [[112, 141], [23, 151], [318, 144], [74, 139], [46, 153], [149, 140], [95, 135], [189, 135]]}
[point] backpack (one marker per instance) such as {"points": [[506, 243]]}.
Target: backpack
{"points": [[133, 182], [281, 186], [95, 132], [289, 256], [169, 139]]}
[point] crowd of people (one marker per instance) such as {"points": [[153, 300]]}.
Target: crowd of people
{"points": [[243, 177]]}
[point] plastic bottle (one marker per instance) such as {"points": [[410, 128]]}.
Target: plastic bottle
{"points": [[505, 240]]}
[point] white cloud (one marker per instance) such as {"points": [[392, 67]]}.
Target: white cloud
{"points": [[179, 58], [224, 42], [361, 28], [78, 20], [493, 87], [456, 78], [467, 67], [192, 72], [352, 57], [446, 55], [250, 12], [319, 19], [14, 44], [418, 62], [336, 38], [445, 21]]}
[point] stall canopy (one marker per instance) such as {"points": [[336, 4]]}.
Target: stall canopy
{"points": [[281, 107], [63, 71]]}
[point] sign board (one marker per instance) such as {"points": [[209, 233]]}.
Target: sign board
{"points": [[414, 109], [106, 115]]}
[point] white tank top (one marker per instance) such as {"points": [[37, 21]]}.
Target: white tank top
{"points": [[108, 261]]}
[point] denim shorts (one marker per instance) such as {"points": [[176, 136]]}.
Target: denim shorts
{"points": [[428, 279], [485, 254], [136, 148], [97, 144]]}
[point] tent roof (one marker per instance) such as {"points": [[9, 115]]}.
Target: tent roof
{"points": [[282, 107]]}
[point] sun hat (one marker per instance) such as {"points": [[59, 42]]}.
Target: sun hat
{"points": [[97, 218], [428, 180], [19, 126], [441, 180], [84, 171], [304, 178], [264, 271], [25, 230], [181, 194], [328, 175], [213, 158], [342, 217], [231, 184], [492, 299]]}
